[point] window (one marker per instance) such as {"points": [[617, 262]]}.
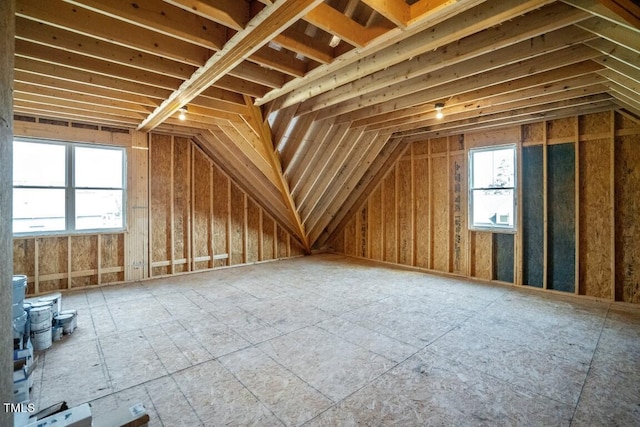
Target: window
{"points": [[66, 187], [492, 188]]}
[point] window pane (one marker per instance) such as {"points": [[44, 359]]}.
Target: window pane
{"points": [[98, 167], [39, 164], [98, 209], [493, 168], [36, 209], [493, 208]]}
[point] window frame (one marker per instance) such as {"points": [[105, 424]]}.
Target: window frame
{"points": [[496, 228], [70, 188]]}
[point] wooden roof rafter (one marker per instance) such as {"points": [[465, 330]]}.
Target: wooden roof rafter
{"points": [[271, 20]]}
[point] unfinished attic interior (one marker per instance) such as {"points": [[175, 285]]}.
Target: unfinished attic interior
{"points": [[321, 212]]}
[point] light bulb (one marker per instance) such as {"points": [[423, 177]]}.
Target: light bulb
{"points": [[439, 106], [183, 113]]}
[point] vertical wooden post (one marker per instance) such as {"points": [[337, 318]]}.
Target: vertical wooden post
{"points": [[211, 249], [191, 259], [99, 264], [149, 210], [396, 187], [36, 267], [577, 205], [414, 240], [171, 233], [612, 201], [519, 246], [260, 236], [69, 266], [545, 208], [368, 227], [430, 197], [245, 226], [228, 237], [383, 228], [275, 239]]}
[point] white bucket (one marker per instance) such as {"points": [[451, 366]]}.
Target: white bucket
{"points": [[19, 325], [66, 322], [56, 299], [41, 340], [56, 333], [19, 288], [17, 310], [40, 318], [74, 320]]}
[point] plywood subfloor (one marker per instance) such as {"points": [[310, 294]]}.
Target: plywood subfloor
{"points": [[327, 340]]}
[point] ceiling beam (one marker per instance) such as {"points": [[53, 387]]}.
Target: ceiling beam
{"points": [[108, 29], [270, 21], [456, 28], [545, 20], [396, 11], [230, 13]]}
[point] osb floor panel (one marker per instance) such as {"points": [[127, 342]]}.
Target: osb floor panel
{"points": [[326, 340]]}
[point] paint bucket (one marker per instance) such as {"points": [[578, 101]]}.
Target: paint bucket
{"points": [[41, 340], [66, 322], [56, 333], [56, 299], [17, 310], [19, 325], [40, 318], [74, 320], [19, 288]]}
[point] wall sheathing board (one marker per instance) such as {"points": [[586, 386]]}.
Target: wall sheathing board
{"points": [[561, 217], [237, 225], [458, 184], [595, 218], [181, 203], [389, 216], [283, 243], [422, 206], [533, 216], [24, 252], [202, 202], [404, 213], [503, 256], [112, 258], [253, 231], [350, 245], [268, 238], [160, 196], [440, 210], [220, 215], [627, 218], [481, 255], [375, 224], [361, 232], [84, 250], [53, 261]]}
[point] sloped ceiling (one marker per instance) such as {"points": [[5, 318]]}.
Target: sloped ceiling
{"points": [[305, 102]]}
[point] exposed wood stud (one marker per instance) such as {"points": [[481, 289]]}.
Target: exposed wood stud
{"points": [[612, 199], [576, 134], [171, 233], [99, 261], [545, 192]]}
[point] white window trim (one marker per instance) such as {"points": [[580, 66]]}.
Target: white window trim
{"points": [[70, 202], [494, 228]]}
